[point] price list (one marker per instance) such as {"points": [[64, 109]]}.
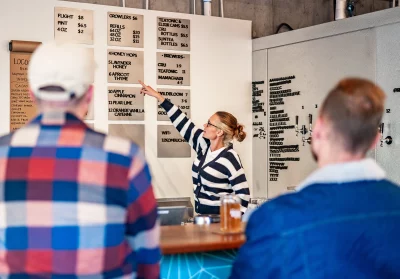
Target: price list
{"points": [[173, 69], [125, 103], [125, 30], [178, 97], [173, 34], [73, 25], [125, 66]]}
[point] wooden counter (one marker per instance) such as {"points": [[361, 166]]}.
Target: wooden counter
{"points": [[193, 238]]}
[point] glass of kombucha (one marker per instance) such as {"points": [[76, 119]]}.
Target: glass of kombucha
{"points": [[230, 214]]}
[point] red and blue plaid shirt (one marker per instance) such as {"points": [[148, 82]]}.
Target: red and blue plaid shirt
{"points": [[75, 203]]}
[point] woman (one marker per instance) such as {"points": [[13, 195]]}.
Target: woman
{"points": [[217, 170]]}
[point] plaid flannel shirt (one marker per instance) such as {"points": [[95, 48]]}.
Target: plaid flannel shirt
{"points": [[75, 203]]}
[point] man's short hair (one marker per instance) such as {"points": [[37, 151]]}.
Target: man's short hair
{"points": [[354, 108]]}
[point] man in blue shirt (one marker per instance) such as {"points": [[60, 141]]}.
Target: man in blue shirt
{"points": [[344, 220]]}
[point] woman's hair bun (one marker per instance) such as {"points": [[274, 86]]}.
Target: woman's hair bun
{"points": [[240, 135]]}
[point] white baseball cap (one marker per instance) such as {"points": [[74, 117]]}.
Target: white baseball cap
{"points": [[67, 66]]}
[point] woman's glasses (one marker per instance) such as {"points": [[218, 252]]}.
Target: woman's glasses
{"points": [[210, 124]]}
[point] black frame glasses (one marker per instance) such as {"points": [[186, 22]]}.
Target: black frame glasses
{"points": [[209, 123]]}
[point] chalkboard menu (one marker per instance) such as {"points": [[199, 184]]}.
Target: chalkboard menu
{"points": [[125, 30], [170, 144], [173, 34], [178, 97], [125, 66], [173, 69], [125, 103], [73, 25]]}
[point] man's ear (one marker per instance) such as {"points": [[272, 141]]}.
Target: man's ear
{"points": [[376, 141], [316, 132], [89, 95]]}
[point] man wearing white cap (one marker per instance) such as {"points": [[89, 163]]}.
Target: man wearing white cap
{"points": [[73, 202]]}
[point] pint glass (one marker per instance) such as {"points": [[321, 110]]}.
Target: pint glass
{"points": [[230, 214]]}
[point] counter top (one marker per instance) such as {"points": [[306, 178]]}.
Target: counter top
{"points": [[194, 238]]}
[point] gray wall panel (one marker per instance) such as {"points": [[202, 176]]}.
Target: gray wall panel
{"points": [[260, 124], [318, 65], [388, 77]]}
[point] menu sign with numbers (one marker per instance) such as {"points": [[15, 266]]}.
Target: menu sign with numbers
{"points": [[173, 34], [125, 66], [178, 97], [125, 103], [125, 30], [170, 144], [73, 25], [173, 69]]}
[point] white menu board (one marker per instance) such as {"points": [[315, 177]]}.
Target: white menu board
{"points": [[125, 30], [173, 34], [125, 66], [173, 69], [125, 103], [73, 25], [178, 97]]}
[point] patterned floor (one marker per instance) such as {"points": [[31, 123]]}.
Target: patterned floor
{"points": [[213, 265]]}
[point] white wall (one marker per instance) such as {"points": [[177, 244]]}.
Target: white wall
{"points": [[220, 75]]}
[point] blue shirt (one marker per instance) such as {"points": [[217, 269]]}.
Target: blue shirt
{"points": [[343, 223]]}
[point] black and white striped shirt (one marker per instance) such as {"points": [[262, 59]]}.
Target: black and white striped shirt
{"points": [[221, 176]]}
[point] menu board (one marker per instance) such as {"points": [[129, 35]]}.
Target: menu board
{"points": [[173, 69], [125, 66], [259, 110], [73, 25], [280, 154], [173, 34], [132, 132], [125, 103], [178, 97], [125, 30], [22, 108], [170, 144]]}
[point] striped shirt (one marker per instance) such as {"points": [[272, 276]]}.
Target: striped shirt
{"points": [[75, 203], [221, 176]]}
